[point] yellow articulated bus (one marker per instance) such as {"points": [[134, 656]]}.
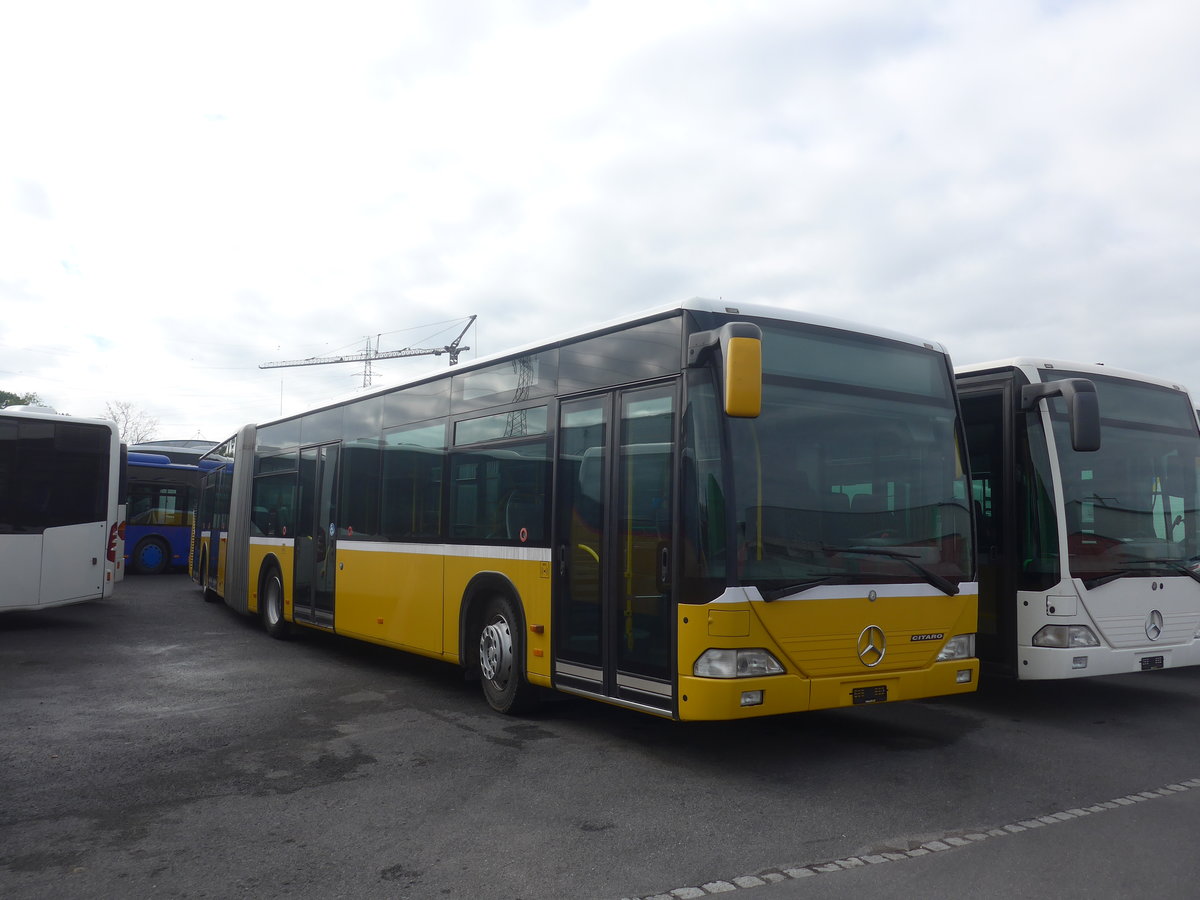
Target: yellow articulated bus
{"points": [[701, 512]]}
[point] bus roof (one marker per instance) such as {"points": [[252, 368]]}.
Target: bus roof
{"points": [[46, 414], [698, 304], [1031, 363], [157, 461]]}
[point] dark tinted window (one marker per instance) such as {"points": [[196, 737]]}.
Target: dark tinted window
{"points": [[278, 437], [523, 378], [274, 505], [364, 418], [417, 403], [358, 508], [860, 361], [411, 488], [515, 423], [499, 495], [52, 474], [647, 351], [323, 426]]}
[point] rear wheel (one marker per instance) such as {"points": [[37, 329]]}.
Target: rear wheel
{"points": [[151, 556], [270, 606], [210, 596], [501, 658]]}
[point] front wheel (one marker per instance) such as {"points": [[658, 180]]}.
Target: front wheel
{"points": [[270, 605], [501, 658]]}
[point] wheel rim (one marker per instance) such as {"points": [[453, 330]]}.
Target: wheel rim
{"points": [[495, 651], [150, 556]]}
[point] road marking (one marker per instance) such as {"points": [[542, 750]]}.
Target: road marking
{"points": [[945, 844]]}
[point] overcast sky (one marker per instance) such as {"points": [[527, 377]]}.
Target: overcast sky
{"points": [[190, 190]]}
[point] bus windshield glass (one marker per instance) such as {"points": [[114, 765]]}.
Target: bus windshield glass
{"points": [[852, 473], [1131, 507]]}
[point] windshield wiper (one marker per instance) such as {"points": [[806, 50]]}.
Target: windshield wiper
{"points": [[798, 588], [1175, 564], [1091, 583], [942, 584]]}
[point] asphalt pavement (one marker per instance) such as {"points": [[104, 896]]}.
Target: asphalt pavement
{"points": [[1140, 845]]}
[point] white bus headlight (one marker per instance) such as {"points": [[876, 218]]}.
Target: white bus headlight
{"points": [[961, 646], [736, 664], [1065, 636]]}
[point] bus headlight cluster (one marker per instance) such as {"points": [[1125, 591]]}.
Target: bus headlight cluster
{"points": [[961, 646], [1065, 636], [736, 664]]}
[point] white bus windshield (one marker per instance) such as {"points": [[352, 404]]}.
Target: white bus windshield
{"points": [[1131, 507]]}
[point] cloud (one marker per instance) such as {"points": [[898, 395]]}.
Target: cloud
{"points": [[211, 192]]}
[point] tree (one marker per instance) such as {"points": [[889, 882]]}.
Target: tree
{"points": [[135, 425], [10, 399]]}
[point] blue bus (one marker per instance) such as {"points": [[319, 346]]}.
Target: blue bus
{"points": [[159, 509]]}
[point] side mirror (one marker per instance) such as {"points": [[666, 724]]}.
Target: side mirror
{"points": [[1083, 408], [736, 350]]}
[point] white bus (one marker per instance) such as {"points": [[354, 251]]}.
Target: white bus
{"points": [[59, 517], [1085, 484]]}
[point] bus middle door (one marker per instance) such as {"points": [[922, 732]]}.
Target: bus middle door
{"points": [[316, 536]]}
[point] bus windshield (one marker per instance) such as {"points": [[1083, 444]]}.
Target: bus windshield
{"points": [[852, 472], [1131, 507]]}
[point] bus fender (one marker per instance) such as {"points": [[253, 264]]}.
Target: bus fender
{"points": [[270, 561], [478, 589]]}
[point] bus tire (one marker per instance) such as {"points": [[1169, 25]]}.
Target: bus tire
{"points": [[210, 596], [270, 606], [501, 657], [150, 556]]}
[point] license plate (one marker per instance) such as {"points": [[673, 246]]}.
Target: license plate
{"points": [[1151, 662], [876, 694]]}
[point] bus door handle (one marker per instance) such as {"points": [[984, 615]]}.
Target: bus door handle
{"points": [[562, 559], [664, 566]]}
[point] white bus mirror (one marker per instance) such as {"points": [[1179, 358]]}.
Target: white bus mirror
{"points": [[1083, 408]]}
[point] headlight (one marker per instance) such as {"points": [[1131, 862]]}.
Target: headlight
{"points": [[961, 646], [1068, 636], [736, 664]]}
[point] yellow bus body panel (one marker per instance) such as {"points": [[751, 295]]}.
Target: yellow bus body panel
{"points": [[410, 598], [260, 552], [391, 597], [222, 559], [817, 643], [530, 577]]}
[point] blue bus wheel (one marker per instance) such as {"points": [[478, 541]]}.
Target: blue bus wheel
{"points": [[151, 556]]}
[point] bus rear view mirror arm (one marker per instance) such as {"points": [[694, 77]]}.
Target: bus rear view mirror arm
{"points": [[1083, 408]]}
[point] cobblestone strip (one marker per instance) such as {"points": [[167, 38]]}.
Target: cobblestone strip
{"points": [[946, 843]]}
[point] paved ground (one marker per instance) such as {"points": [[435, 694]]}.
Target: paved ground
{"points": [[154, 745]]}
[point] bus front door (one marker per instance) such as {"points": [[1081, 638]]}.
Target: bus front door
{"points": [[316, 536], [613, 600]]}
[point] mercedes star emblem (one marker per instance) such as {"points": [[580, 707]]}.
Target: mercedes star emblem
{"points": [[1154, 625], [872, 645]]}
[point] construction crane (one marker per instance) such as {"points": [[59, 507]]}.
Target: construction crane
{"points": [[371, 354]]}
